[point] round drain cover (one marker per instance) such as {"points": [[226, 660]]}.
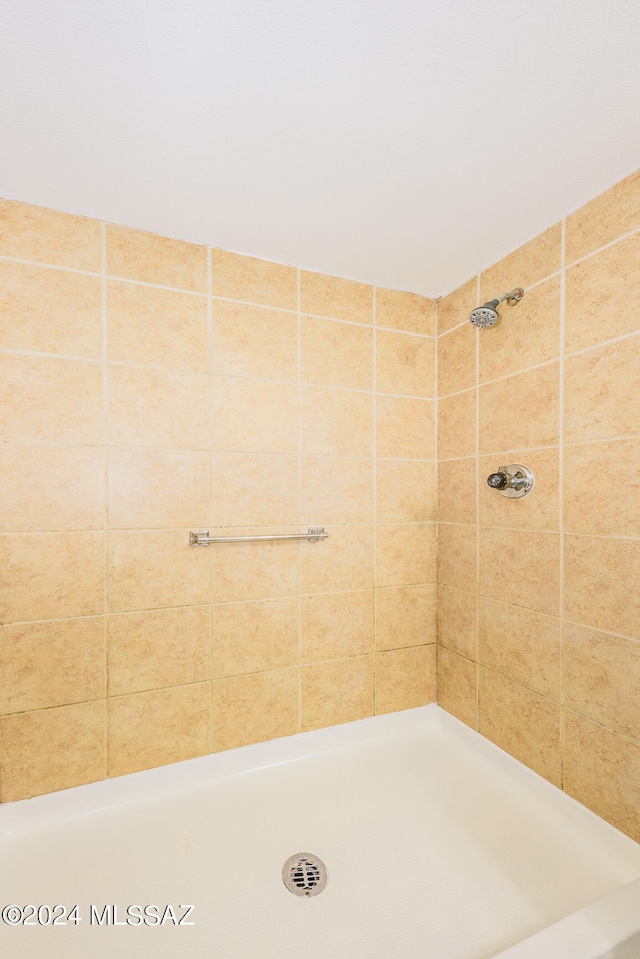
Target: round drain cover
{"points": [[304, 874]]}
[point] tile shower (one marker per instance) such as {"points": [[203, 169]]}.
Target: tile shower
{"points": [[150, 386]]}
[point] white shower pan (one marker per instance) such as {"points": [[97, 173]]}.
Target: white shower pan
{"points": [[437, 844]]}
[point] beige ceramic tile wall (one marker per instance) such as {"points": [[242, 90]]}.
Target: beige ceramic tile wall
{"points": [[539, 609], [149, 386]]}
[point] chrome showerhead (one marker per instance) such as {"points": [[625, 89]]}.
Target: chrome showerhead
{"points": [[487, 315]]}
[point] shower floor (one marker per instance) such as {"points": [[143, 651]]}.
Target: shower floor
{"points": [[437, 844]]}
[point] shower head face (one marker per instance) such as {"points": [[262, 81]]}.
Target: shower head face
{"points": [[484, 317]]}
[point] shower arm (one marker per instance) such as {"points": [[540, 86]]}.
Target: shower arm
{"points": [[513, 296]]}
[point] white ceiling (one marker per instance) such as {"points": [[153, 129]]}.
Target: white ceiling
{"points": [[408, 143]]}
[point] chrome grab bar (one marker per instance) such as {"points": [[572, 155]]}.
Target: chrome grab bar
{"points": [[200, 537]]}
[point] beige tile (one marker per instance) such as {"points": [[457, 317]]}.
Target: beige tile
{"points": [[254, 709], [598, 574], [34, 233], [457, 559], [457, 620], [405, 554], [457, 491], [457, 425], [528, 264], [158, 727], [335, 354], [337, 625], [50, 400], [405, 364], [521, 567], [36, 481], [337, 692], [595, 406], [405, 491], [165, 408], [457, 686], [52, 749], [455, 308], [528, 333], [52, 311], [259, 570], [405, 427], [51, 664], [520, 644], [158, 648], [602, 771], [521, 411], [405, 616], [521, 722], [342, 562], [588, 472], [602, 220], [254, 637], [336, 297], [540, 509], [150, 569], [337, 422], [405, 311], [601, 295], [457, 360], [157, 327], [158, 488], [51, 575], [335, 490], [405, 678], [248, 278], [255, 489], [254, 341], [602, 678], [150, 258], [252, 416]]}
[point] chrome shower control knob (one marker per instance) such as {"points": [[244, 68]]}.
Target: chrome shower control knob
{"points": [[498, 481], [514, 481]]}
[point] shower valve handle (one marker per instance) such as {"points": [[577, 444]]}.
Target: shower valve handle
{"points": [[514, 481], [498, 481]]}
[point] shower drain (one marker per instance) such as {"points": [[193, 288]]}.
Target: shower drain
{"points": [[304, 874]]}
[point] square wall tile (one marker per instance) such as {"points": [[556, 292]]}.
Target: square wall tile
{"points": [[457, 620], [254, 416], [457, 360], [522, 723], [45, 400], [255, 489], [405, 311], [405, 678], [520, 411], [405, 554], [51, 575], [337, 422], [150, 569], [51, 664], [343, 561], [161, 408], [336, 297], [598, 571], [35, 487], [150, 258], [263, 570], [530, 263], [533, 561], [254, 637], [405, 427], [595, 407], [155, 728], [457, 559], [157, 327], [457, 425], [335, 490], [602, 220], [336, 625], [51, 749], [254, 709], [335, 354], [158, 488], [405, 616], [157, 648], [34, 233], [248, 278], [405, 491], [254, 341], [455, 308], [587, 472], [51, 311], [405, 364], [337, 692], [458, 686], [540, 509], [457, 491]]}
